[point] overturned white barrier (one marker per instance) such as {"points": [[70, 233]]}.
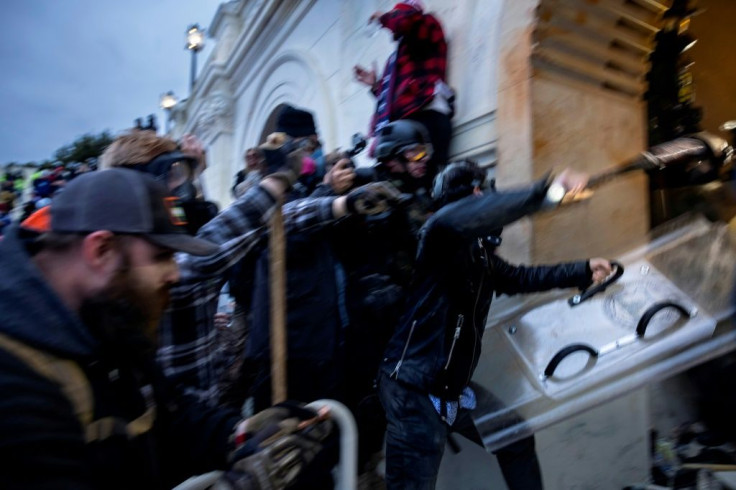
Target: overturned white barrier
{"points": [[547, 358]]}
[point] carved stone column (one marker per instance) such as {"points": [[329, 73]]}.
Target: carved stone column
{"points": [[213, 124], [570, 82], [225, 29]]}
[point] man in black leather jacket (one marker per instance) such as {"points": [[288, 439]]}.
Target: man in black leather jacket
{"points": [[423, 383]]}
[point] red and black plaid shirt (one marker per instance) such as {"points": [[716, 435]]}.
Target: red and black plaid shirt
{"points": [[421, 59]]}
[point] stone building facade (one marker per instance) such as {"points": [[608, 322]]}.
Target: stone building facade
{"points": [[539, 85]]}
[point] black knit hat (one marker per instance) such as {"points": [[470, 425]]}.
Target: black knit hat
{"points": [[295, 122]]}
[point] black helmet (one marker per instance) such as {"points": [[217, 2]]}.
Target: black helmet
{"points": [[399, 135], [456, 181]]}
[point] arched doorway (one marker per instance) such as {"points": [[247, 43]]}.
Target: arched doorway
{"points": [[270, 125]]}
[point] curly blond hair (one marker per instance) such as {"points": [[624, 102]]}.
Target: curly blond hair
{"points": [[136, 147]]}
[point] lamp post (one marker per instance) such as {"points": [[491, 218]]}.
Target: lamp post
{"points": [[195, 42], [167, 103]]}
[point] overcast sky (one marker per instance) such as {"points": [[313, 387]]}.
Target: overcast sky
{"points": [[71, 67]]}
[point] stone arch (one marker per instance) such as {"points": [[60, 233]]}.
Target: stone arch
{"points": [[293, 78]]}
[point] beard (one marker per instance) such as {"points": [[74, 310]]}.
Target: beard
{"points": [[124, 317]]}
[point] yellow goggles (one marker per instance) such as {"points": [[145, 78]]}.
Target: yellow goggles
{"points": [[417, 153]]}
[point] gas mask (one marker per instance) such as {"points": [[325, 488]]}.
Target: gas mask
{"points": [[177, 171]]}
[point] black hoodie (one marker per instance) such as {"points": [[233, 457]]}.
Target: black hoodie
{"points": [[41, 440]]}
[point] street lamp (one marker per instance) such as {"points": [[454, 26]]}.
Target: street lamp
{"points": [[167, 103], [195, 42]]}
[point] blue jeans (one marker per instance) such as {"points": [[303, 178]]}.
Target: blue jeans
{"points": [[416, 437]]}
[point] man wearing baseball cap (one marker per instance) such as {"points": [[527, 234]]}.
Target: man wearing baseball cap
{"points": [[85, 282]]}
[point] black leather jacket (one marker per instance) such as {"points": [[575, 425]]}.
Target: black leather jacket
{"points": [[437, 344]]}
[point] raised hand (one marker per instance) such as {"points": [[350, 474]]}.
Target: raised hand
{"points": [[364, 76], [341, 176]]}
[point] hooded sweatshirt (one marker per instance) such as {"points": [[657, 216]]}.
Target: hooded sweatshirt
{"points": [[42, 441]]}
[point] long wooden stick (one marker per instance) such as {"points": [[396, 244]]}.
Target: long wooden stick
{"points": [[277, 274], [709, 466], [601, 178], [607, 175]]}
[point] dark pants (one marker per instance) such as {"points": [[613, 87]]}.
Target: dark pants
{"points": [[416, 437], [307, 381], [365, 342]]}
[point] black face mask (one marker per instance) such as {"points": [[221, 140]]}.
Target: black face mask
{"points": [[198, 214], [185, 192]]}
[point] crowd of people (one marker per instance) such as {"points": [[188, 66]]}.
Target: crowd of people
{"points": [[35, 190], [120, 370]]}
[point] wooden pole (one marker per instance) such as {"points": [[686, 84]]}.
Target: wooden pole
{"points": [[277, 274]]}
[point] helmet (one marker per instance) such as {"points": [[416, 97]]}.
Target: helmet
{"points": [[459, 180], [456, 181], [394, 137]]}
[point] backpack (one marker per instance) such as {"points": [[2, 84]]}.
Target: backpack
{"points": [[74, 385]]}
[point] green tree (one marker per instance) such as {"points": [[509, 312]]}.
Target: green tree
{"points": [[83, 148]]}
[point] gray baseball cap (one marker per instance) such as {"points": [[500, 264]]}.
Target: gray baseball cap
{"points": [[128, 202]]}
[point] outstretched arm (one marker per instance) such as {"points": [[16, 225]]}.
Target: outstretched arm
{"points": [[478, 215], [529, 279]]}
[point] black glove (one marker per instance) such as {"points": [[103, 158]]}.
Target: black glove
{"points": [[275, 466], [283, 159], [279, 442], [373, 198]]}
